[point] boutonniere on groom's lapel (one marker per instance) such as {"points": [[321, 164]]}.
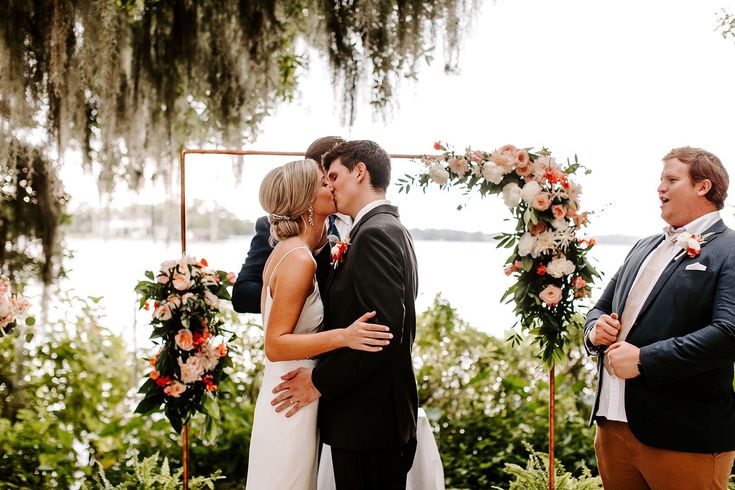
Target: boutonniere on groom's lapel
{"points": [[690, 244], [339, 249]]}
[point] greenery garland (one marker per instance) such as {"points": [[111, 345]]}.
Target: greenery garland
{"points": [[549, 257]]}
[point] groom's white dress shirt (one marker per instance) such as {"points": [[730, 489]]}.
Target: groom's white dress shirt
{"points": [[367, 208], [612, 393]]}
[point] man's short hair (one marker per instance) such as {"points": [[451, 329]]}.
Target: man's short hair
{"points": [[375, 158], [321, 146], [704, 165]]}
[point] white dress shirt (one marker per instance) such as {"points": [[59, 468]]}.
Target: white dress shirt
{"points": [[367, 208], [612, 393]]}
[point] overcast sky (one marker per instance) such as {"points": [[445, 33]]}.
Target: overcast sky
{"points": [[618, 83]]}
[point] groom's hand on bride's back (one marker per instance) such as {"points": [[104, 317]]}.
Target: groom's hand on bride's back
{"points": [[295, 392]]}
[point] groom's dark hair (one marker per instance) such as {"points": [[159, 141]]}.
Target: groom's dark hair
{"points": [[370, 153], [321, 146]]}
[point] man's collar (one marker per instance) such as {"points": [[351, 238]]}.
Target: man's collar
{"points": [[696, 227], [367, 208]]}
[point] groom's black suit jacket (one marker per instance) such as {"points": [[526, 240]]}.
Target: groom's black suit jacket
{"points": [[684, 398], [369, 399]]}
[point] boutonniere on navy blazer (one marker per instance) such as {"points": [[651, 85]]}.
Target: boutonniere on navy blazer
{"points": [[339, 249], [690, 244]]}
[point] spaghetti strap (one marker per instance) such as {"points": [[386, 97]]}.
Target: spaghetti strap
{"points": [[284, 256]]}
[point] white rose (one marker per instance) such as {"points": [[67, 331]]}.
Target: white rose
{"points": [[526, 244], [439, 174], [511, 194], [560, 224], [4, 305], [560, 267], [191, 370], [208, 357], [163, 312], [167, 265], [210, 298], [530, 190], [492, 172]]}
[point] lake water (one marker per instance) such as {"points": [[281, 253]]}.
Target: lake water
{"points": [[467, 274]]}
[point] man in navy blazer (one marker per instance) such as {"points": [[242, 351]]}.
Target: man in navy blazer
{"points": [[249, 284], [664, 333]]}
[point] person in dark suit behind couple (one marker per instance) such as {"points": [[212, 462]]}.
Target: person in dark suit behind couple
{"points": [[664, 332], [368, 405], [247, 289]]}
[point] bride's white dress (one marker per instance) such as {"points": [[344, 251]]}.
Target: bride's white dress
{"points": [[283, 451]]}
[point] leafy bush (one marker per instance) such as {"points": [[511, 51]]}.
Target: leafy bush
{"points": [[487, 398], [535, 476], [150, 474]]}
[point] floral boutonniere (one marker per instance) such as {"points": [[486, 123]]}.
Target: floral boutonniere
{"points": [[690, 244], [339, 249]]}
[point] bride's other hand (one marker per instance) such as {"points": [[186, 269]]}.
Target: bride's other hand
{"points": [[365, 336]]}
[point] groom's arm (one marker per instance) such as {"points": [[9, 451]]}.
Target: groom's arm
{"points": [[379, 286]]}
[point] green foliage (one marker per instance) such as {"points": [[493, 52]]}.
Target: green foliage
{"points": [[535, 476], [150, 474], [32, 208], [488, 398], [726, 25], [549, 255]]}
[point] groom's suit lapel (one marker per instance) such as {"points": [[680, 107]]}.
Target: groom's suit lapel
{"points": [[713, 231], [383, 208], [635, 262]]}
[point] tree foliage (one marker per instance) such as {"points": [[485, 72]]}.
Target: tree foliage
{"points": [[123, 85]]}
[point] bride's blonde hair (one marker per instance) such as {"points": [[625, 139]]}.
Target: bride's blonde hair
{"points": [[286, 194]]}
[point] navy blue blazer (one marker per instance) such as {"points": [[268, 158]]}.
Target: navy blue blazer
{"points": [[684, 399], [249, 284]]}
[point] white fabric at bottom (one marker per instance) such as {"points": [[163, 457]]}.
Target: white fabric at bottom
{"points": [[426, 473]]}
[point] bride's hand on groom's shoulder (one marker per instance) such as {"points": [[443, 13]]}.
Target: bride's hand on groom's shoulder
{"points": [[370, 337], [295, 392]]}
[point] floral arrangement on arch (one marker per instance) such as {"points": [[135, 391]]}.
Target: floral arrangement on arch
{"points": [[13, 308], [189, 366], [549, 257]]}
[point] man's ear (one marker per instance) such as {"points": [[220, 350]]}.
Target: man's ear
{"points": [[362, 172], [703, 187]]}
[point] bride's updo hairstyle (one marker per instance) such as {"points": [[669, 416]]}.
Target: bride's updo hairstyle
{"points": [[286, 194]]}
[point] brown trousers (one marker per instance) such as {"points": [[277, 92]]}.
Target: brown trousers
{"points": [[627, 464]]}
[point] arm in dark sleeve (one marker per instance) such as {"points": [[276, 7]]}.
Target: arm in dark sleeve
{"points": [[249, 284], [379, 284], [705, 349], [602, 307]]}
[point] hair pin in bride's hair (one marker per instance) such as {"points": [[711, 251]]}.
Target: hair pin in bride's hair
{"points": [[277, 218]]}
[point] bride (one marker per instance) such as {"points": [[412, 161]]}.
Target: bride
{"points": [[284, 451]]}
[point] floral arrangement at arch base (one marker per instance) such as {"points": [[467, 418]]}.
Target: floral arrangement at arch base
{"points": [[549, 253], [187, 370]]}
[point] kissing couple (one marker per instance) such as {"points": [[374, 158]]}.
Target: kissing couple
{"points": [[339, 319]]}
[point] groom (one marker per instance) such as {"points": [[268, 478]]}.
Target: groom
{"points": [[664, 330], [369, 402]]}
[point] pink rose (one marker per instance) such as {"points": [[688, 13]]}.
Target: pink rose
{"points": [[231, 277], [162, 278], [175, 389], [221, 350], [542, 201], [522, 158], [181, 282], [538, 228], [579, 283], [558, 211], [551, 295], [459, 166], [184, 339]]}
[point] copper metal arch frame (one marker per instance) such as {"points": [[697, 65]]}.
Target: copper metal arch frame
{"points": [[194, 151]]}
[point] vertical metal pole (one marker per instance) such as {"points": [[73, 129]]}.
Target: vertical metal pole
{"points": [[551, 427], [185, 431]]}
